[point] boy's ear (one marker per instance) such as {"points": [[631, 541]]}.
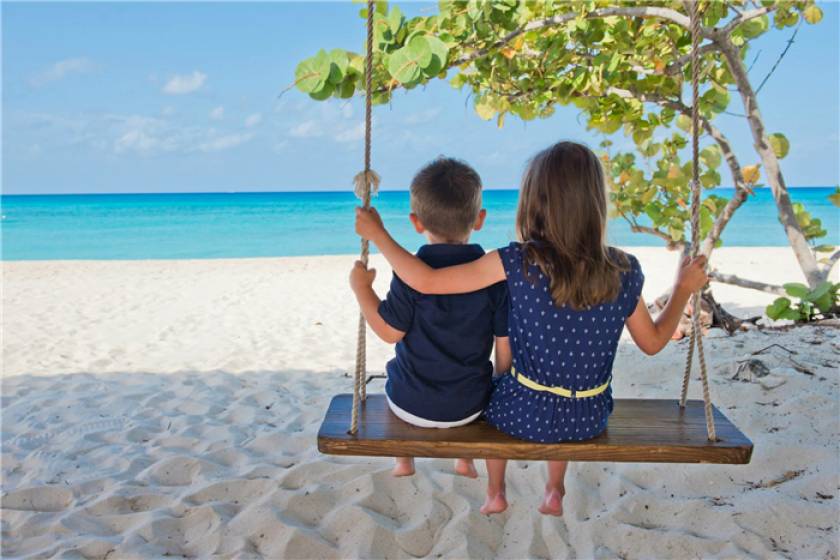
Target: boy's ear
{"points": [[418, 225], [479, 221]]}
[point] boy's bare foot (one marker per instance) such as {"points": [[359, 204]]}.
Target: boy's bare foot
{"points": [[466, 467], [552, 503], [494, 504], [404, 467]]}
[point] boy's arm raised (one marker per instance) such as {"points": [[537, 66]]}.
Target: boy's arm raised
{"points": [[361, 282], [460, 279]]}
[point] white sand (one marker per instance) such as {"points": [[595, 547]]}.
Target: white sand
{"points": [[170, 408]]}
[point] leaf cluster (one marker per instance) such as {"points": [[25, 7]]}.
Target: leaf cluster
{"points": [[811, 303], [626, 74]]}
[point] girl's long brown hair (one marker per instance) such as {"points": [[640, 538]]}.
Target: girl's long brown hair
{"points": [[562, 222]]}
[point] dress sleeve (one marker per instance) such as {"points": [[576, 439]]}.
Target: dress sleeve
{"points": [[512, 260], [397, 309], [634, 281]]}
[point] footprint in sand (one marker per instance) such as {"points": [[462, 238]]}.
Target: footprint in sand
{"points": [[233, 491], [195, 534], [124, 505], [39, 498], [177, 471]]}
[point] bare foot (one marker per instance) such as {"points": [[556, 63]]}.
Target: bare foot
{"points": [[552, 503], [494, 504], [465, 467], [404, 467]]}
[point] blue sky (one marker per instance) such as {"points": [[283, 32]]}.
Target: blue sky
{"points": [[183, 97]]}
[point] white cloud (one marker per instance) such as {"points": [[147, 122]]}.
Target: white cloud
{"points": [[351, 134], [168, 111], [422, 116], [131, 135], [307, 129], [253, 120], [180, 84], [225, 142], [61, 70], [218, 113]]}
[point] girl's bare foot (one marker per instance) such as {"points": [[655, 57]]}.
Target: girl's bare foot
{"points": [[494, 504], [404, 467], [465, 467], [552, 503]]}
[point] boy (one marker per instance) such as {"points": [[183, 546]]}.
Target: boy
{"points": [[441, 376]]}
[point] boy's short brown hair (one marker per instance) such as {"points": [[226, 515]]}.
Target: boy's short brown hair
{"points": [[446, 197]]}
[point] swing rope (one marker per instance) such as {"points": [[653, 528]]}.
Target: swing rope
{"points": [[365, 182], [696, 339]]}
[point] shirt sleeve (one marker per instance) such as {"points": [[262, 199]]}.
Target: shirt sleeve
{"points": [[633, 284], [500, 313], [397, 309]]}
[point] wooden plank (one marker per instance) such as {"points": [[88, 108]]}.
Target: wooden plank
{"points": [[639, 430]]}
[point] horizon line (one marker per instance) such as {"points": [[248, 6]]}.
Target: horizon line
{"points": [[326, 191]]}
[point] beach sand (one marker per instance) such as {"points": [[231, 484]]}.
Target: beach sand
{"points": [[158, 408]]}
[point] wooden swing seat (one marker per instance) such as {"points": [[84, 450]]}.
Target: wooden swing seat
{"points": [[639, 431]]}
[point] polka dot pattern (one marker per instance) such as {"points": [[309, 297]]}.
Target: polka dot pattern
{"points": [[558, 346]]}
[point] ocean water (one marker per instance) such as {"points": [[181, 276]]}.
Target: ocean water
{"points": [[209, 225]]}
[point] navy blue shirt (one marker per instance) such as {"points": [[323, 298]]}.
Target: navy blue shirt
{"points": [[442, 369], [558, 346]]}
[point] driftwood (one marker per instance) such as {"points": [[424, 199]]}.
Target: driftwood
{"points": [[712, 315]]}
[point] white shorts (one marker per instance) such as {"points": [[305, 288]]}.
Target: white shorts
{"points": [[423, 423]]}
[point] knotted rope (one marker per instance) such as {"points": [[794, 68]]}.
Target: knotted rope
{"points": [[696, 338], [365, 182]]}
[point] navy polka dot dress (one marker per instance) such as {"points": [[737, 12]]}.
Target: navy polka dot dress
{"points": [[558, 346]]}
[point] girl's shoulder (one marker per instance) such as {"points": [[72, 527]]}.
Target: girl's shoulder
{"points": [[511, 255], [626, 262]]}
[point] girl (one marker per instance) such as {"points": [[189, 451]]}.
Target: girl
{"points": [[570, 297]]}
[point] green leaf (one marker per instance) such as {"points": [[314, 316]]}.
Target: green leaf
{"points": [[347, 89], [796, 289], [395, 18], [323, 93], [404, 65], [754, 27], [684, 122], [710, 156], [825, 303], [484, 109], [420, 50], [819, 291], [338, 66], [311, 74], [776, 309], [780, 144], [440, 55], [812, 14]]}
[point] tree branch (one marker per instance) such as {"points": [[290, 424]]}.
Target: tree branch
{"points": [[746, 16], [627, 11], [832, 260], [677, 66], [741, 189], [672, 245], [716, 276], [772, 170]]}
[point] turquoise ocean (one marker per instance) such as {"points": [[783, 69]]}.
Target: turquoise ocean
{"points": [[227, 225]]}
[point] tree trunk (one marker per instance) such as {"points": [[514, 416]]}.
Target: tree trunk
{"points": [[787, 217]]}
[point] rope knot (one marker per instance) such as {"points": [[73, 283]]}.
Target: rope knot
{"points": [[366, 182]]}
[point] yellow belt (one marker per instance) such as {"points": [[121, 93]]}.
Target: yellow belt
{"points": [[562, 391]]}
